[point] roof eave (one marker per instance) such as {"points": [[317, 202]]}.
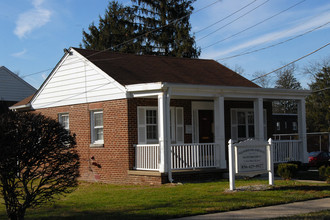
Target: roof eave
{"points": [[26, 107], [271, 93]]}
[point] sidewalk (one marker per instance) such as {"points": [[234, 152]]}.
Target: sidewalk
{"points": [[270, 211]]}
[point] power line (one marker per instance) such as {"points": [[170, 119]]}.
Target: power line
{"points": [[273, 45], [291, 62], [320, 90], [218, 29], [174, 21], [255, 24], [222, 19], [149, 32]]}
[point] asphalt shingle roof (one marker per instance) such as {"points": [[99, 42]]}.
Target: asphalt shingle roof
{"points": [[130, 69]]}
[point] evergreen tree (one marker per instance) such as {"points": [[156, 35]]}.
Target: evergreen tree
{"points": [[167, 28], [116, 27], [318, 103], [286, 80]]}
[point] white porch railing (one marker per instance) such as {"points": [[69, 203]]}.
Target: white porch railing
{"points": [[287, 150], [147, 157], [197, 155], [191, 156], [183, 156]]}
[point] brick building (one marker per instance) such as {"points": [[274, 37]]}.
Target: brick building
{"points": [[149, 119]]}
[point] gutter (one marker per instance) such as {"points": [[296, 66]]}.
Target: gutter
{"points": [[21, 107]]}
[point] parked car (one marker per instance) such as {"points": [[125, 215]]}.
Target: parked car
{"points": [[318, 158]]}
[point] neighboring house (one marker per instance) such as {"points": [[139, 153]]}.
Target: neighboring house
{"points": [[285, 123], [150, 119], [12, 89]]}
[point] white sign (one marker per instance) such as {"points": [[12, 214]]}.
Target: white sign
{"points": [[251, 159]]}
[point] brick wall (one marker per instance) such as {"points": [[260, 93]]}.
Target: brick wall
{"points": [[110, 163]]}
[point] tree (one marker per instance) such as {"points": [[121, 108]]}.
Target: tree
{"points": [[38, 161], [286, 80], [167, 25], [116, 27], [318, 103], [261, 80], [159, 27]]}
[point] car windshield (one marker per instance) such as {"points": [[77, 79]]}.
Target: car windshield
{"points": [[313, 154]]}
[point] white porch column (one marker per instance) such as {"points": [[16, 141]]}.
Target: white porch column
{"points": [[163, 133], [302, 128], [219, 132], [259, 119]]}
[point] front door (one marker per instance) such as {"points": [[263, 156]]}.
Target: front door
{"points": [[205, 122]]}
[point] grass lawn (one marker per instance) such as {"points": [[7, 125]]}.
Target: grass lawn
{"points": [[104, 201]]}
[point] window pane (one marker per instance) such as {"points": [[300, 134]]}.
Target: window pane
{"points": [[241, 131], [250, 118], [151, 116], [64, 120], [98, 119], [241, 118], [98, 134], [251, 131], [152, 132]]}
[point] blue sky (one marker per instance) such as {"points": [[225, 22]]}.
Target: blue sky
{"points": [[35, 32]]}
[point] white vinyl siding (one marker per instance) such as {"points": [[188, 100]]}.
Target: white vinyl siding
{"points": [[148, 125], [63, 119], [12, 87], [76, 81], [242, 124], [97, 127]]}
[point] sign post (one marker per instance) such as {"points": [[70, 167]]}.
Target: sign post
{"points": [[250, 157]]}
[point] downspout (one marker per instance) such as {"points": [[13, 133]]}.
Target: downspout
{"points": [[167, 94]]}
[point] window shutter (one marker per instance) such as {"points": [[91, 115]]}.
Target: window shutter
{"points": [[179, 125], [142, 134], [172, 129], [234, 135]]}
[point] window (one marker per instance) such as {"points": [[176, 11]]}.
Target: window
{"points": [[278, 126], [294, 125], [97, 127], [148, 125], [63, 119], [242, 124], [151, 125]]}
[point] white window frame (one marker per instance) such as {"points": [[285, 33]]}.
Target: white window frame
{"points": [[176, 128], [94, 142], [151, 140], [234, 125], [61, 116]]}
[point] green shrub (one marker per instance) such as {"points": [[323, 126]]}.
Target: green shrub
{"points": [[287, 170], [324, 172]]}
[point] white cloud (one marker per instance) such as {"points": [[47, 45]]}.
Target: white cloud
{"points": [[32, 19], [19, 54], [304, 26]]}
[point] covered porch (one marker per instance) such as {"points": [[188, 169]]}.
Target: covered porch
{"points": [[213, 122]]}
